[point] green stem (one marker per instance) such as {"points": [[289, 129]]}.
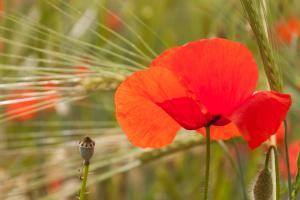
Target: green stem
{"points": [[207, 162], [82, 195], [236, 167], [239, 164], [287, 160], [277, 183]]}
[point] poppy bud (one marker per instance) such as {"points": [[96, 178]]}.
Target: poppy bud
{"points": [[263, 188], [86, 148]]}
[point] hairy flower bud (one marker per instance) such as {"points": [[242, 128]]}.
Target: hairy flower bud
{"points": [[263, 187]]}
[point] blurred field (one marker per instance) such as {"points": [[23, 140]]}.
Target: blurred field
{"points": [[60, 62]]}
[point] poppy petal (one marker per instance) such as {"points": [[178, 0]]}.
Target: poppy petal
{"points": [[165, 58], [260, 116], [221, 73], [166, 90], [144, 104], [187, 112], [222, 132]]}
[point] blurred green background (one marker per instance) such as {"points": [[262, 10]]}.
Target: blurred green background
{"points": [[60, 62]]}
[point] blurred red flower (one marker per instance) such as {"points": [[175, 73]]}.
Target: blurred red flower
{"points": [[1, 6], [53, 96], [22, 106], [54, 186], [280, 135], [112, 21], [294, 150], [25, 104], [206, 82], [289, 29], [80, 69]]}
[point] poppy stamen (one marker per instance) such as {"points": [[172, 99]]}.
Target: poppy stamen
{"points": [[213, 120]]}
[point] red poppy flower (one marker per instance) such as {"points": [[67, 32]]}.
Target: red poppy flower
{"points": [[289, 29], [23, 106], [206, 82], [294, 149]]}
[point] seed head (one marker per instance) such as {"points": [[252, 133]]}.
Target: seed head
{"points": [[86, 148]]}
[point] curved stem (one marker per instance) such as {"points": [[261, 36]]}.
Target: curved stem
{"points": [[82, 195], [277, 183], [287, 160], [277, 174], [207, 162]]}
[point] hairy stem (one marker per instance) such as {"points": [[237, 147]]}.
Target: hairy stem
{"points": [[82, 195], [275, 156]]}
